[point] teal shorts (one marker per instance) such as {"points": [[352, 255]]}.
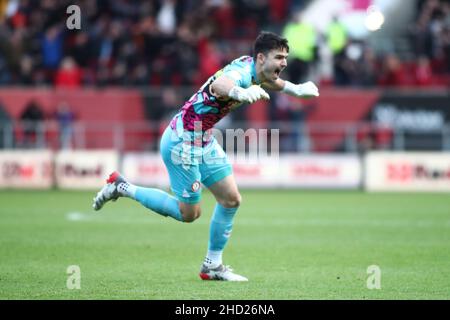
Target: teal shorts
{"points": [[190, 166]]}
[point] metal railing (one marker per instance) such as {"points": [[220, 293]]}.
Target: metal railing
{"points": [[293, 136]]}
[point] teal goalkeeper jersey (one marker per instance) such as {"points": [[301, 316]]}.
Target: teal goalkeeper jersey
{"points": [[203, 107]]}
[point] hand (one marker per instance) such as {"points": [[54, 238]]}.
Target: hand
{"points": [[304, 90], [249, 95], [308, 89]]}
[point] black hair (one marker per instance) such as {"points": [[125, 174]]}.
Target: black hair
{"points": [[267, 41]]}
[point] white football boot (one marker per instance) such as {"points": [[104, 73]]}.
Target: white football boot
{"points": [[109, 191], [223, 273]]}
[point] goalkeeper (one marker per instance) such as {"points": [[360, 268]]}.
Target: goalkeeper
{"points": [[194, 158]]}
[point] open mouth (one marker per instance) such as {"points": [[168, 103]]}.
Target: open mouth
{"points": [[277, 72]]}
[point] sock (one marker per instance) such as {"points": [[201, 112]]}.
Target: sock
{"points": [[158, 201], [213, 258], [219, 233], [127, 189]]}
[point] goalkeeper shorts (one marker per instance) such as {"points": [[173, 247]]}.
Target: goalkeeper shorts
{"points": [[191, 166]]}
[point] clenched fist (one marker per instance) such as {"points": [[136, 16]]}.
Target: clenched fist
{"points": [[249, 95], [304, 90]]}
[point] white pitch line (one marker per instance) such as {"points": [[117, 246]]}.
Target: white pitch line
{"points": [[390, 223], [77, 216]]}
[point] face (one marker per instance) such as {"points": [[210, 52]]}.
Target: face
{"points": [[273, 63]]}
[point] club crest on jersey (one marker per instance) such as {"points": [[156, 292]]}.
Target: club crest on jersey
{"points": [[195, 186]]}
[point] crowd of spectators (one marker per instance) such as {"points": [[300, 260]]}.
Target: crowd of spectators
{"points": [[430, 39], [129, 42], [432, 33], [170, 42]]}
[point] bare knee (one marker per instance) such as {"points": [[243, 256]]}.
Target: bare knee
{"points": [[190, 214], [232, 200]]}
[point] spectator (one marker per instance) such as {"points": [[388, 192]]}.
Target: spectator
{"points": [[52, 47], [302, 48], [251, 15], [278, 10], [32, 117], [367, 68], [5, 122], [25, 76], [210, 59], [82, 50], [5, 76], [336, 36], [344, 66], [65, 118], [68, 75], [422, 72], [392, 73]]}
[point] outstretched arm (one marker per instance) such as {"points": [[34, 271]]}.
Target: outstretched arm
{"points": [[305, 90], [225, 88], [222, 86]]}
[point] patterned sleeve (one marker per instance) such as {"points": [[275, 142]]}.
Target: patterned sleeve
{"points": [[240, 73]]}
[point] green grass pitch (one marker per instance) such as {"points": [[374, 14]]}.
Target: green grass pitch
{"points": [[290, 244]]}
